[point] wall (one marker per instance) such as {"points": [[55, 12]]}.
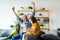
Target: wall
{"points": [[7, 17]]}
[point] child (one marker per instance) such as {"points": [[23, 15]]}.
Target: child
{"points": [[34, 30]]}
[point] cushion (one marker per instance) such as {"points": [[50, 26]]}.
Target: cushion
{"points": [[32, 37]]}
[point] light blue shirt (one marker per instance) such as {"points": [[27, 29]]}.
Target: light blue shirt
{"points": [[24, 24]]}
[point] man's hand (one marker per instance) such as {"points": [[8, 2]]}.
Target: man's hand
{"points": [[13, 8]]}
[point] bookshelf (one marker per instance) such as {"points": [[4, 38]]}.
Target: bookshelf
{"points": [[44, 18]]}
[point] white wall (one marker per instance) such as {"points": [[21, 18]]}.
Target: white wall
{"points": [[7, 17]]}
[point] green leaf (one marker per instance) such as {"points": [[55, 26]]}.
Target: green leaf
{"points": [[11, 26], [41, 25], [22, 7], [30, 7], [40, 14], [38, 19], [21, 14]]}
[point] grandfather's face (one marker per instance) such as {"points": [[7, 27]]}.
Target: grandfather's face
{"points": [[25, 18]]}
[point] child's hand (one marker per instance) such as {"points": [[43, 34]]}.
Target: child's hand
{"points": [[28, 32], [33, 3]]}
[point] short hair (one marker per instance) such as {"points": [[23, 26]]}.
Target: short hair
{"points": [[25, 16], [33, 19]]}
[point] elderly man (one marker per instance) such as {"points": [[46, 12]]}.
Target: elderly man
{"points": [[24, 23]]}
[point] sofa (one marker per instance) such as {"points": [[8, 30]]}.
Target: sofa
{"points": [[5, 33], [43, 36]]}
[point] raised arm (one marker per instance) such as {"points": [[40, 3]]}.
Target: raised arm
{"points": [[33, 10], [13, 8], [33, 4]]}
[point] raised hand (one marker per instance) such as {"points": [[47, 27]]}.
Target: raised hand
{"points": [[13, 8], [33, 3]]}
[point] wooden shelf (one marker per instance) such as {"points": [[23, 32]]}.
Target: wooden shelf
{"points": [[46, 31], [42, 17], [42, 10], [44, 22], [44, 28], [31, 10]]}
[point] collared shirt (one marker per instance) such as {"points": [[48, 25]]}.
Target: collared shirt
{"points": [[24, 24]]}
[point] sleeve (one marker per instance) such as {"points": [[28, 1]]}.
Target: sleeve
{"points": [[20, 19], [33, 14], [34, 27]]}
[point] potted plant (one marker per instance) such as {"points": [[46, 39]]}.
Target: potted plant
{"points": [[42, 25], [11, 26], [38, 19], [21, 14], [17, 25], [30, 7], [43, 8], [40, 14], [22, 7]]}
